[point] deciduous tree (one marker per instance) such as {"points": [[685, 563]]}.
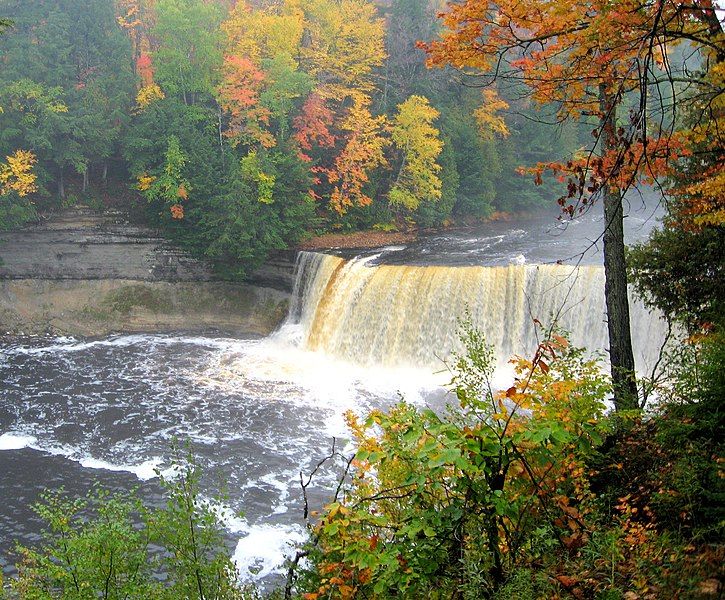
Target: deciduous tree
{"points": [[169, 186], [346, 45], [189, 54], [363, 152], [16, 175], [586, 57], [419, 145]]}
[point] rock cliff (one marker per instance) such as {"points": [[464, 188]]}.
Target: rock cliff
{"points": [[85, 273]]}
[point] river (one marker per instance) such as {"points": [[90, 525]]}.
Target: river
{"points": [[362, 331]]}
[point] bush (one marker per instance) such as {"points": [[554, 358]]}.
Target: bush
{"points": [[108, 545], [15, 211], [454, 505], [532, 492]]}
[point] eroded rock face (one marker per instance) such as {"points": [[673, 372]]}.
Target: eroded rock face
{"points": [[79, 244], [96, 307], [84, 273]]}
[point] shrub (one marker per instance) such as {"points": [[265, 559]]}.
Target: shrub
{"points": [[452, 505], [108, 545]]}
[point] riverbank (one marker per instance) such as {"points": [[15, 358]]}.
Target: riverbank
{"points": [[93, 308], [370, 238], [81, 272], [357, 240]]}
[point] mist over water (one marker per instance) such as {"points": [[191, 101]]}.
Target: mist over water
{"points": [[258, 411]]}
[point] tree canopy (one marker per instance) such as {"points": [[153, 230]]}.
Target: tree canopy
{"points": [[99, 94]]}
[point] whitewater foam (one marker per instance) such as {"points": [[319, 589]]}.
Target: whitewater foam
{"points": [[144, 471], [264, 550], [62, 344], [14, 441]]}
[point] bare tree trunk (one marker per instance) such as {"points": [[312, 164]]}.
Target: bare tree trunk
{"points": [[85, 180], [621, 356], [104, 176], [61, 183], [221, 138]]}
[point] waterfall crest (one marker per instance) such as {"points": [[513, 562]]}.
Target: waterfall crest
{"points": [[409, 315]]}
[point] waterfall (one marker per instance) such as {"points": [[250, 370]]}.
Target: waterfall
{"points": [[410, 315]]}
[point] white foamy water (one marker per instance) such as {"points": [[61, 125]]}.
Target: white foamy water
{"points": [[264, 550], [257, 412], [13, 441], [65, 344], [144, 471]]}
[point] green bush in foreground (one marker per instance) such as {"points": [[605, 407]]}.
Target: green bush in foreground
{"points": [[531, 492], [108, 545], [454, 505]]}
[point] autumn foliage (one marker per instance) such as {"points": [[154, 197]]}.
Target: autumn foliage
{"points": [[570, 55], [524, 492], [16, 175]]}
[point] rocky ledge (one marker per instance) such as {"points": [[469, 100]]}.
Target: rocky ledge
{"points": [[85, 273]]}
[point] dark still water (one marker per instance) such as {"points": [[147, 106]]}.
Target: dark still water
{"points": [[257, 412]]}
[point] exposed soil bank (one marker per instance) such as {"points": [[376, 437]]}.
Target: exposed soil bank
{"points": [[369, 239], [100, 307], [357, 239]]}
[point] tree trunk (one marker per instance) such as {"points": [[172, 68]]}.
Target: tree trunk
{"points": [[104, 176], [61, 183], [221, 138], [85, 180], [621, 357]]}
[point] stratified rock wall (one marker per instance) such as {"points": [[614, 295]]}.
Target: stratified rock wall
{"points": [[79, 244], [83, 273]]}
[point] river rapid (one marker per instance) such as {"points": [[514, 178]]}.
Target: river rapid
{"points": [[361, 333], [257, 412]]}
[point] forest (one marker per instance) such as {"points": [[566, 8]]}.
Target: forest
{"points": [[239, 128], [236, 128]]}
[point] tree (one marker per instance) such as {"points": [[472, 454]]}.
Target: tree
{"points": [[262, 81], [16, 175], [38, 118], [681, 268], [477, 159], [137, 17], [405, 73], [17, 179], [588, 57], [17, 182], [239, 96], [418, 144], [312, 126], [168, 186], [346, 45], [264, 206], [363, 152], [69, 55], [109, 545], [188, 57], [682, 273]]}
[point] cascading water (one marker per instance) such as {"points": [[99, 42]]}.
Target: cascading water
{"points": [[393, 316], [259, 411]]}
